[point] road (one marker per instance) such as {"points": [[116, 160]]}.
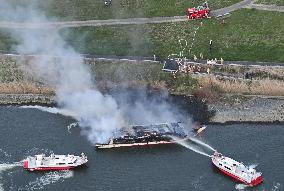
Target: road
{"points": [[129, 21], [231, 8]]}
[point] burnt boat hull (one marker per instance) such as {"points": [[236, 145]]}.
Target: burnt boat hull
{"points": [[145, 135]]}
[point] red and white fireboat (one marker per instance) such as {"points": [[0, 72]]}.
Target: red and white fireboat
{"points": [[236, 170], [54, 162]]}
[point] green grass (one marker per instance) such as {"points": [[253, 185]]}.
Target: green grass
{"points": [[95, 9], [143, 73], [250, 35], [118, 72], [124, 71], [270, 2], [6, 41]]}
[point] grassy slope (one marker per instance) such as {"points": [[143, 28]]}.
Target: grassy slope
{"points": [[247, 35], [143, 73], [95, 9], [6, 41], [270, 2]]}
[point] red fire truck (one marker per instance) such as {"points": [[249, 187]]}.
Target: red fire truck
{"points": [[198, 12]]}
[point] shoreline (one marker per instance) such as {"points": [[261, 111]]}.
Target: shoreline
{"points": [[248, 109], [26, 99], [230, 109]]}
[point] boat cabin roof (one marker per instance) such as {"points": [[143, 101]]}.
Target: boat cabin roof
{"points": [[231, 162]]}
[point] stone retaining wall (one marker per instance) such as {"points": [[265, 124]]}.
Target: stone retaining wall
{"points": [[26, 99]]}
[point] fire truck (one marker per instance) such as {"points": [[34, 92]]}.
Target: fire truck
{"points": [[198, 12]]}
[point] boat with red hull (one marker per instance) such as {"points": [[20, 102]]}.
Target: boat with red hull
{"points": [[54, 162], [237, 170]]}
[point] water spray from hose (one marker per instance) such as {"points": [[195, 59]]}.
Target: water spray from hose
{"points": [[203, 144], [193, 39], [185, 143]]}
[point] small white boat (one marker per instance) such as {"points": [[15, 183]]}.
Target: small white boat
{"points": [[237, 170], [54, 162]]}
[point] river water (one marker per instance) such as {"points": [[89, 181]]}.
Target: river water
{"points": [[26, 132]]}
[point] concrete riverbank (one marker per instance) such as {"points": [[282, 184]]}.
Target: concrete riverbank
{"points": [[225, 110], [248, 109]]}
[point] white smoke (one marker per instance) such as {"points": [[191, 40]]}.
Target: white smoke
{"points": [[140, 108], [61, 67]]}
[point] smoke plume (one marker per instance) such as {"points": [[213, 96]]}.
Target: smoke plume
{"points": [[62, 68]]}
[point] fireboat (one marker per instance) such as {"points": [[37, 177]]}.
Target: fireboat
{"points": [[237, 170], [54, 162]]}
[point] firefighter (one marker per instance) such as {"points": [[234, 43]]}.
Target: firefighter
{"points": [[210, 46], [205, 5]]}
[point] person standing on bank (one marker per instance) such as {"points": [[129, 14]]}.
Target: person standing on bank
{"points": [[210, 45]]}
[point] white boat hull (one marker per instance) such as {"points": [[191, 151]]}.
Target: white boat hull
{"points": [[108, 146], [53, 162], [242, 174]]}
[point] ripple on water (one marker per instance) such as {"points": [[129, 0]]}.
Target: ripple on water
{"points": [[48, 178], [5, 167]]}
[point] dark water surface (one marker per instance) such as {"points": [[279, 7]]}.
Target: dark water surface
{"points": [[27, 132]]}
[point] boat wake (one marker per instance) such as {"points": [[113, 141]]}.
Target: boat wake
{"points": [[241, 186], [252, 166], [195, 145], [276, 186], [7, 166], [53, 110], [4, 154], [48, 178], [71, 125]]}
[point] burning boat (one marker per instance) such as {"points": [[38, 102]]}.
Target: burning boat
{"points": [[54, 162], [236, 170], [145, 136]]}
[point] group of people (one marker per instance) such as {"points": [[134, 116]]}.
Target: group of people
{"points": [[191, 68], [215, 61]]}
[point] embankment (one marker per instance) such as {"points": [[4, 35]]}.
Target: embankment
{"points": [[248, 109], [19, 87], [26, 99]]}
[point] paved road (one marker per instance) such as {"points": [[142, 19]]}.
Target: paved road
{"points": [[151, 59], [266, 7], [66, 24], [231, 8]]}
